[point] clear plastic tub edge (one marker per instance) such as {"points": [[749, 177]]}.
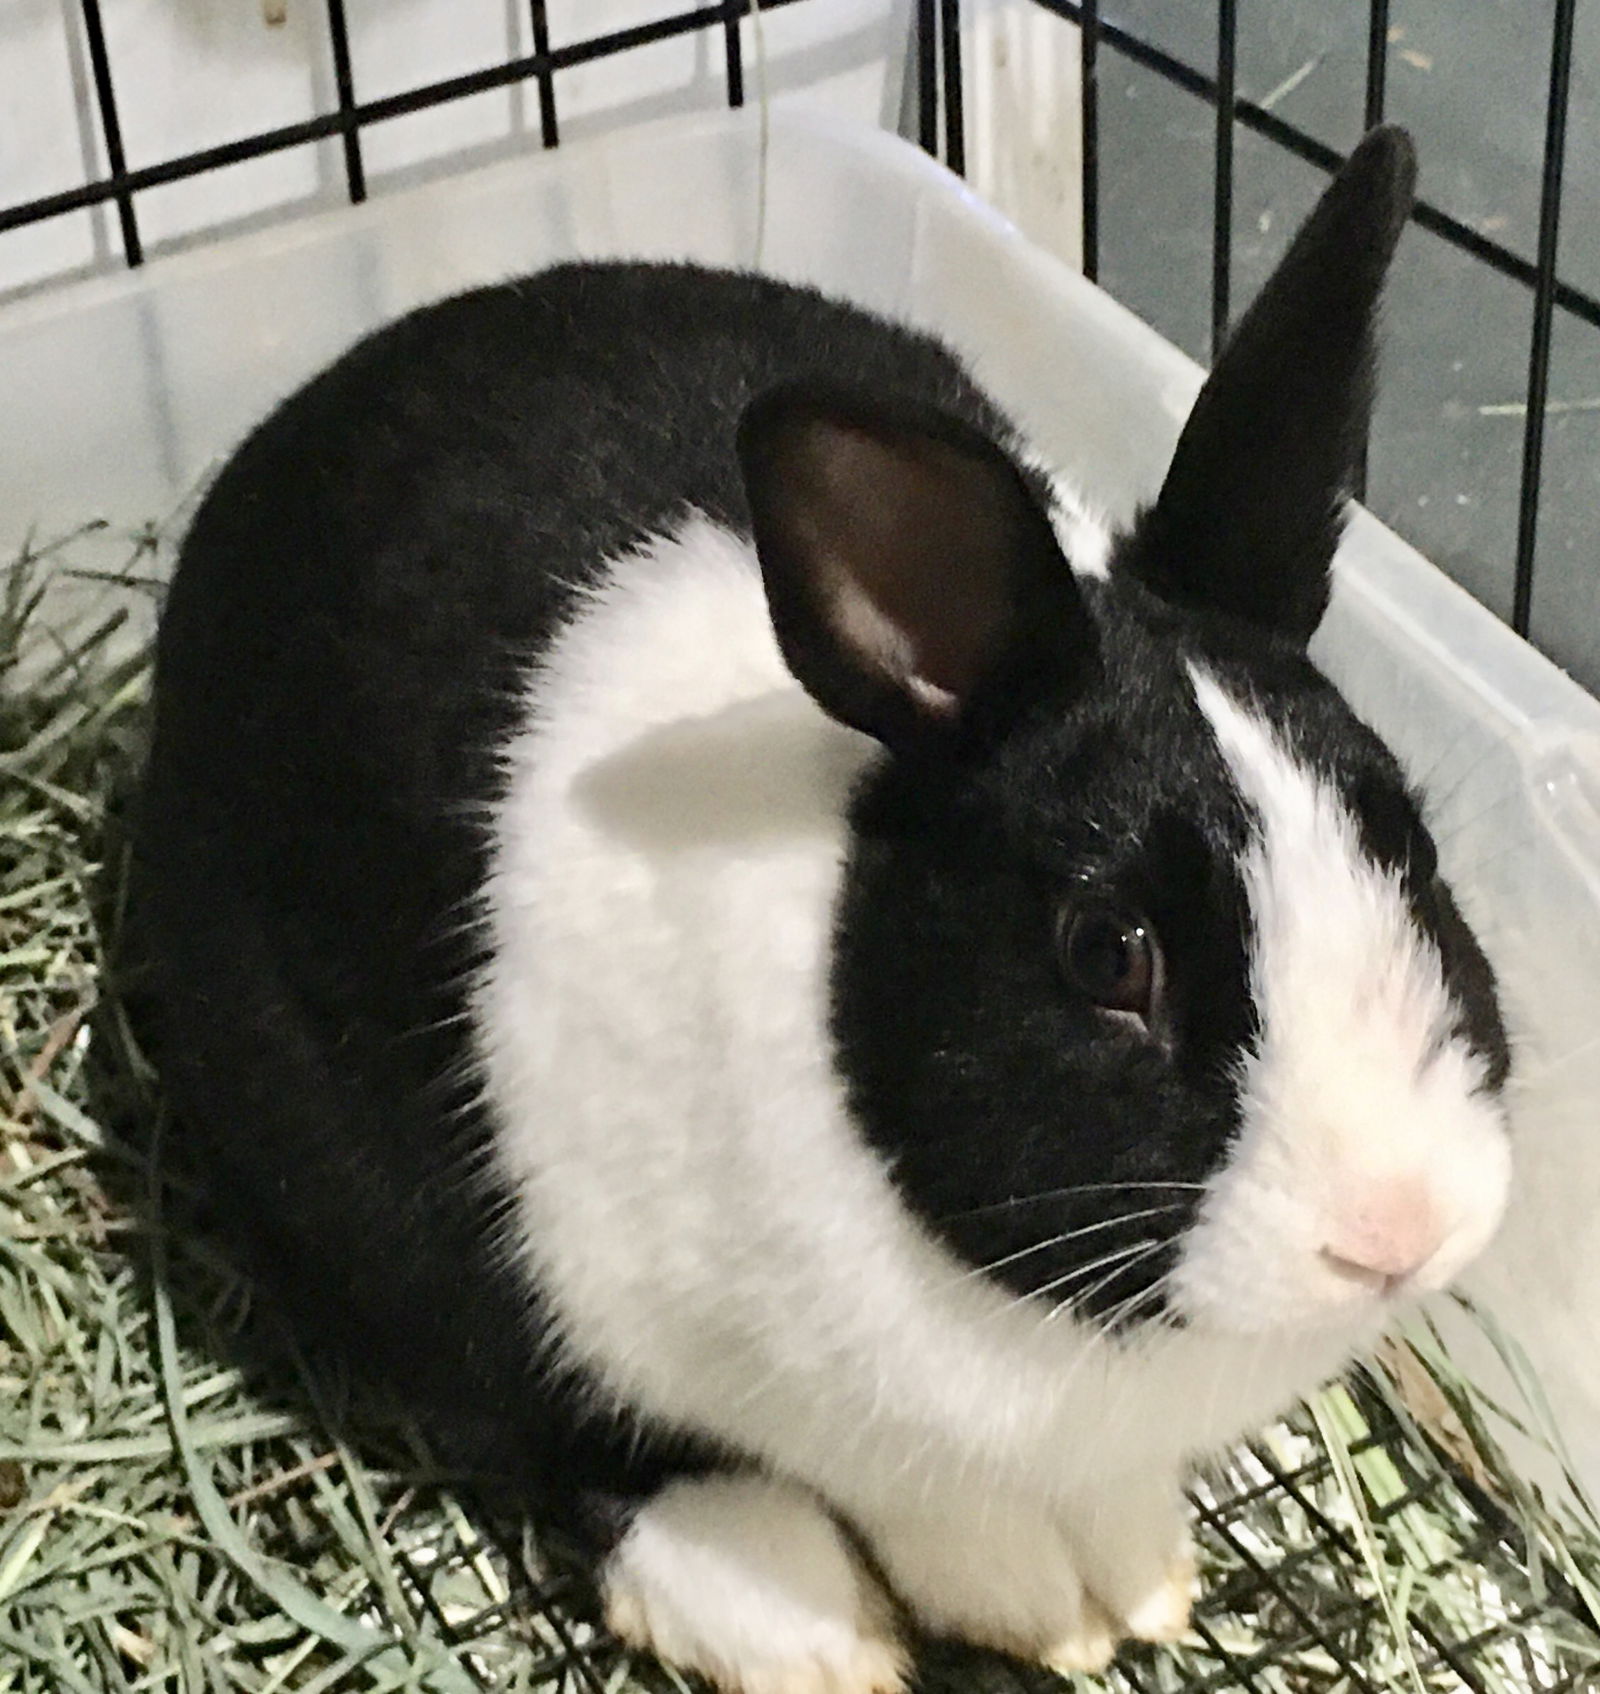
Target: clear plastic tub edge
{"points": [[124, 392]]}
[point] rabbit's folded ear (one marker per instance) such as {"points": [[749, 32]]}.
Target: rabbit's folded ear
{"points": [[914, 580], [1253, 504]]}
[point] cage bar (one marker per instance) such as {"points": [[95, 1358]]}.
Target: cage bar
{"points": [[111, 127], [1371, 117], [928, 77], [1544, 292], [734, 50], [539, 17], [1089, 121], [345, 89], [1377, 62], [955, 124], [1222, 191]]}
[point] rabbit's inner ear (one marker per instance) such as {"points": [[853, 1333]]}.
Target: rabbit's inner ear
{"points": [[914, 580]]}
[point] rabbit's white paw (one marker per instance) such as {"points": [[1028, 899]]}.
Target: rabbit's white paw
{"points": [[1090, 1647], [1163, 1613], [749, 1582], [1134, 1551], [999, 1576]]}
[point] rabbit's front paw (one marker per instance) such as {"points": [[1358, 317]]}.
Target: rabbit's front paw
{"points": [[1133, 1547], [1002, 1577], [749, 1582], [1162, 1614]]}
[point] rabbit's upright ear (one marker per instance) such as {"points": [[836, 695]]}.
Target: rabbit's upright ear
{"points": [[1250, 513], [913, 577]]}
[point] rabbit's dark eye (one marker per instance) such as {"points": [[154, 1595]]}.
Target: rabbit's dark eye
{"points": [[1110, 955]]}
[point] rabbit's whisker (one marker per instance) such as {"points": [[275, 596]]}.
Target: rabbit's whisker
{"points": [[1114, 1264], [1071, 1192], [1065, 1237], [1146, 1295]]}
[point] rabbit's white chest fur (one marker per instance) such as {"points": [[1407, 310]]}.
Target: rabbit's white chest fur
{"points": [[717, 1242]]}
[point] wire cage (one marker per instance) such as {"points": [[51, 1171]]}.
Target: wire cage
{"points": [[1293, 1527], [1105, 45]]}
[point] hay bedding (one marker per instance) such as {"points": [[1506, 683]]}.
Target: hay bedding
{"points": [[184, 1506]]}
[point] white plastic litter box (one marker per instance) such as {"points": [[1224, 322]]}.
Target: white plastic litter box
{"points": [[122, 393]]}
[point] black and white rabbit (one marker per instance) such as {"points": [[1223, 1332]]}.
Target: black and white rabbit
{"points": [[779, 1013]]}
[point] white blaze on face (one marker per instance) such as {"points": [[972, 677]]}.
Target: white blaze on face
{"points": [[1370, 1159]]}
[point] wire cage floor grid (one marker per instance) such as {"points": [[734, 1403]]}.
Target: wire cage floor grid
{"points": [[169, 1519]]}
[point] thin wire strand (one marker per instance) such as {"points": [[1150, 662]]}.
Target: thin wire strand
{"points": [[1222, 191], [955, 127], [549, 127], [928, 77], [111, 129], [764, 127], [1544, 296], [733, 51], [1089, 132], [1372, 115], [1377, 62], [345, 93]]}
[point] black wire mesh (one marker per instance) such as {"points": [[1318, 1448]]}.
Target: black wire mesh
{"points": [[1295, 1600], [122, 183], [941, 130], [1217, 85]]}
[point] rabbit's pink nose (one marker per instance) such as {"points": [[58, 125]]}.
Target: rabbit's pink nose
{"points": [[1386, 1238]]}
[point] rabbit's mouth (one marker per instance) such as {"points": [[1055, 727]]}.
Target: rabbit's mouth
{"points": [[1269, 1254]]}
